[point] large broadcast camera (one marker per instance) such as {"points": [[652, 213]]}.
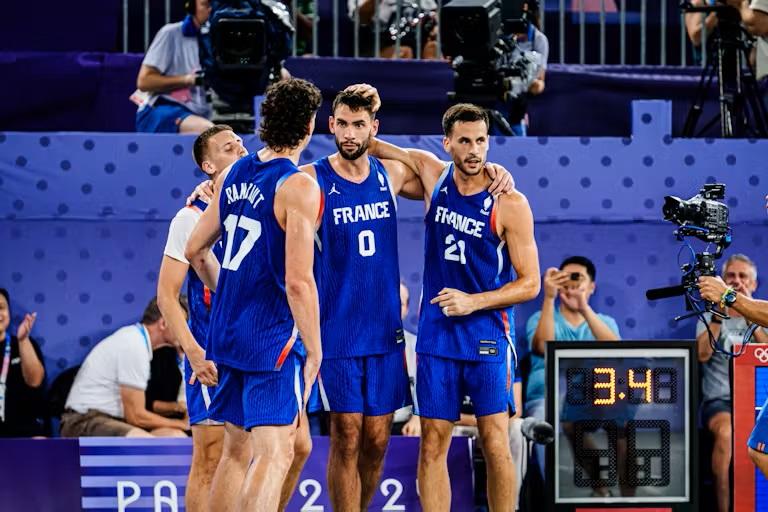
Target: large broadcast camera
{"points": [[489, 67], [242, 48], [704, 217]]}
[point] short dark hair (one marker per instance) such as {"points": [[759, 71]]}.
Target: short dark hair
{"points": [[152, 312], [355, 102], [584, 262], [286, 111], [200, 147], [7, 296], [463, 113]]}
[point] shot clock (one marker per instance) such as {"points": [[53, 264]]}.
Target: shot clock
{"points": [[624, 415]]}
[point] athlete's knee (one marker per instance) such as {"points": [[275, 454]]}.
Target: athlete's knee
{"points": [[722, 433], [346, 437], [302, 447], [434, 445], [375, 446]]}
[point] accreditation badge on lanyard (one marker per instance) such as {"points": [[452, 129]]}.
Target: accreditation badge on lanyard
{"points": [[4, 374]]}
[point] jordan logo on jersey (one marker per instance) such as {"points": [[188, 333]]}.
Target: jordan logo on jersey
{"points": [[444, 189], [333, 190], [382, 187], [486, 206]]}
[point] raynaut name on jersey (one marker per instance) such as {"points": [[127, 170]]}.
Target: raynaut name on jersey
{"points": [[361, 212], [244, 191], [459, 222]]}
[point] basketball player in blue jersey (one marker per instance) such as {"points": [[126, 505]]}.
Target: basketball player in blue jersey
{"points": [[363, 378], [265, 292], [214, 150], [473, 243]]}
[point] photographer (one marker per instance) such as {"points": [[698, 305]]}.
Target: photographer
{"points": [[419, 15], [573, 320], [754, 16], [176, 103], [715, 290], [739, 273], [531, 39]]}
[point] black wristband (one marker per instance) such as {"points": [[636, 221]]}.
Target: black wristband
{"points": [[715, 320]]}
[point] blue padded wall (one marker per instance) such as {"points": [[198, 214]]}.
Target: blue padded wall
{"points": [[83, 219]]}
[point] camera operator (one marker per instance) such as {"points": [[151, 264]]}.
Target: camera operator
{"points": [[715, 290], [531, 39], [739, 273], [754, 16], [423, 11], [176, 103]]}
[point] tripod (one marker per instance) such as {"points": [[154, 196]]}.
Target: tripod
{"points": [[742, 113]]}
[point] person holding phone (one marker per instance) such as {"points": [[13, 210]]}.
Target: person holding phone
{"points": [[573, 320]]}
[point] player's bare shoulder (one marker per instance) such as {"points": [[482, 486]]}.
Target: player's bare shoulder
{"points": [[309, 169], [512, 209]]}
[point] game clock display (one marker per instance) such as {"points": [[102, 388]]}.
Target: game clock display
{"points": [[624, 416]]}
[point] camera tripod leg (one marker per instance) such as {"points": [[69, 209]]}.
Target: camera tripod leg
{"points": [[697, 107]]}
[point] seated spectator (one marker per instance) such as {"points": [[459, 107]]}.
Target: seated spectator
{"points": [[573, 320], [107, 397], [22, 405], [175, 103], [410, 13], [740, 273], [696, 23], [165, 391]]}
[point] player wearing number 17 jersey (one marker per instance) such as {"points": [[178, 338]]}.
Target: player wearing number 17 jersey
{"points": [[265, 290]]}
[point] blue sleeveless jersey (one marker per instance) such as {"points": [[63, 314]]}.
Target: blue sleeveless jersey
{"points": [[463, 251], [252, 328], [358, 270], [199, 296]]}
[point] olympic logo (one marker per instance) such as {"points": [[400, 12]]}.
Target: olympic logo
{"points": [[761, 354]]}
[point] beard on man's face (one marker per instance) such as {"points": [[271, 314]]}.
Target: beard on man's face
{"points": [[464, 168], [348, 154]]}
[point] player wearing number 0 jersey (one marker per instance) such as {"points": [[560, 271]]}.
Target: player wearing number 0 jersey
{"points": [[266, 295], [475, 244]]}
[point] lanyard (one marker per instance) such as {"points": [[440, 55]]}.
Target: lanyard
{"points": [[143, 331], [6, 360], [4, 374]]}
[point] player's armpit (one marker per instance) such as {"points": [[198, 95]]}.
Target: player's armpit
{"points": [[404, 181]]}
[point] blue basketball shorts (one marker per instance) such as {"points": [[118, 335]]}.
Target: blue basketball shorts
{"points": [[199, 398], [442, 384], [758, 440], [255, 399], [372, 385]]}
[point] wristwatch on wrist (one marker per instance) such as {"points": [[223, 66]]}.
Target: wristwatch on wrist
{"points": [[728, 298]]}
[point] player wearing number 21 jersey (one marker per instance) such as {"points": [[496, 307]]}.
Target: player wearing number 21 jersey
{"points": [[267, 212], [480, 259]]}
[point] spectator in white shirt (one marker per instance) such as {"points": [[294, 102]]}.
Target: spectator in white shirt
{"points": [[108, 395]]}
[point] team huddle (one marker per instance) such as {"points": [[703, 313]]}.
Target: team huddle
{"points": [[293, 278]]}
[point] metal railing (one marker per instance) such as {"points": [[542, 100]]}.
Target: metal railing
{"points": [[579, 31]]}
